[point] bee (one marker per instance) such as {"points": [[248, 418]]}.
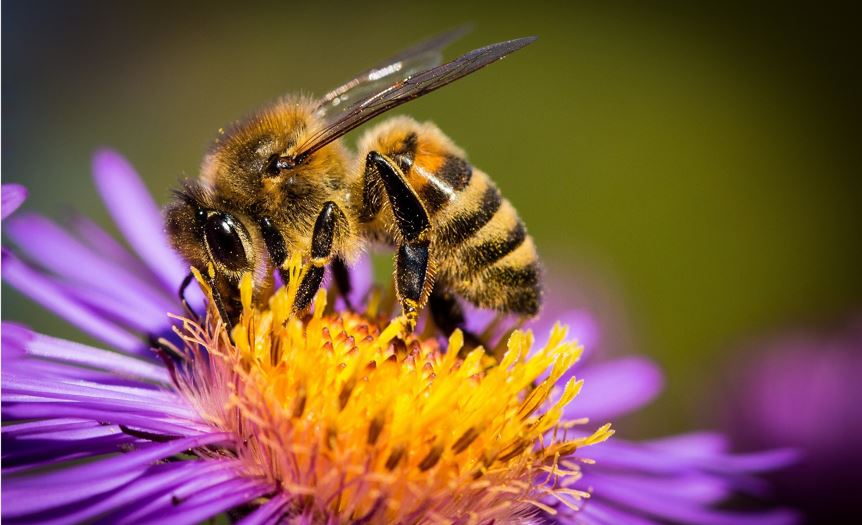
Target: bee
{"points": [[281, 182]]}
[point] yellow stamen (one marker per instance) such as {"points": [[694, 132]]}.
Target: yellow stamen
{"points": [[350, 418]]}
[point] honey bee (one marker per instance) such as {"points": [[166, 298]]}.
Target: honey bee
{"points": [[281, 182]]}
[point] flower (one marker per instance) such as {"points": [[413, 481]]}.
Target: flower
{"points": [[341, 408], [13, 196], [801, 389], [120, 436]]}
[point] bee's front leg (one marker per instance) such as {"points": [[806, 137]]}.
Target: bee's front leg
{"points": [[321, 254], [187, 281], [411, 218]]}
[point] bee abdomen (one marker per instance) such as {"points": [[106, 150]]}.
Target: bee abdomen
{"points": [[481, 248], [438, 185], [492, 261], [510, 282], [515, 289], [475, 212], [492, 246]]}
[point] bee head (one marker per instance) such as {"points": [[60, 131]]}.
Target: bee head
{"points": [[207, 231]]}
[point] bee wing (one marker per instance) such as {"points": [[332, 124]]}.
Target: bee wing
{"points": [[405, 90], [422, 56]]}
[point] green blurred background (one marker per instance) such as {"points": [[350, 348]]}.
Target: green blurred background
{"points": [[694, 170]]}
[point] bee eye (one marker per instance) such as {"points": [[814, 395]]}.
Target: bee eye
{"points": [[223, 240]]}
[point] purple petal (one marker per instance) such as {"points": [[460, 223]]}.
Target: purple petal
{"points": [[582, 325], [149, 419], [614, 388], [13, 195], [101, 241], [26, 453], [18, 502], [599, 512], [61, 371], [137, 216], [678, 509], [42, 290], [688, 487], [14, 337], [636, 457], [42, 240], [477, 319], [21, 429], [71, 433], [708, 450], [139, 399], [692, 444], [208, 503], [646, 458], [167, 502], [118, 310], [765, 461], [268, 513], [43, 462], [48, 347], [29, 452], [361, 280], [33, 494], [158, 479]]}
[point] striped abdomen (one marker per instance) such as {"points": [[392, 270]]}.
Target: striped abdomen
{"points": [[480, 248], [484, 252]]}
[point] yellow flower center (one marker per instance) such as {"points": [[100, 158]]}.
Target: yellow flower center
{"points": [[354, 419]]}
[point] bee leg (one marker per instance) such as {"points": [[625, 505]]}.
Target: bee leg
{"points": [[445, 311], [321, 253], [182, 293], [341, 276], [411, 269], [411, 218], [448, 316], [217, 300], [220, 307]]}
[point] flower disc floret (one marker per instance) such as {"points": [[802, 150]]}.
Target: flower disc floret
{"points": [[352, 417]]}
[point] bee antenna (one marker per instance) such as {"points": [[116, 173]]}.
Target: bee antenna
{"points": [[285, 163], [183, 196], [279, 163], [299, 159], [190, 193]]}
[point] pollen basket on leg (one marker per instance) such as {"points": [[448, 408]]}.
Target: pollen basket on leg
{"points": [[351, 417]]}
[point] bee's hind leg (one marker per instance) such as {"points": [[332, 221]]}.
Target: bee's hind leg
{"points": [[341, 276], [411, 218], [448, 317], [321, 254]]}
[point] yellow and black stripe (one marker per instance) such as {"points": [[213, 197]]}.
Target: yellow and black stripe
{"points": [[480, 248]]}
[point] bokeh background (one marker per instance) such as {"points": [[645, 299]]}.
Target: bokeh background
{"points": [[692, 170]]}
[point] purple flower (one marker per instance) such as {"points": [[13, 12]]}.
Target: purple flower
{"points": [[13, 197], [121, 436], [802, 390]]}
